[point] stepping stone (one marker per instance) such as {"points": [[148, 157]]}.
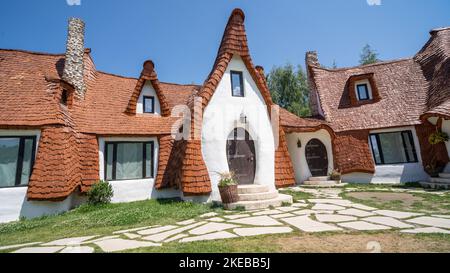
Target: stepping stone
{"points": [[355, 212], [397, 214], [299, 205], [261, 230], [131, 235], [176, 237], [211, 227], [48, 249], [69, 241], [210, 236], [283, 215], [133, 229], [215, 219], [237, 216], [101, 239], [258, 221], [320, 206], [186, 222], [426, 230], [164, 235], [118, 244], [363, 207], [361, 225], [78, 249], [431, 221], [287, 209], [156, 230], [387, 221], [304, 223], [19, 245], [334, 218], [441, 215], [339, 202], [300, 201], [209, 214], [268, 212], [309, 212]]}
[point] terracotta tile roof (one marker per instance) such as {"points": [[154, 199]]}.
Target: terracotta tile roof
{"points": [[293, 123], [284, 170], [402, 89]]}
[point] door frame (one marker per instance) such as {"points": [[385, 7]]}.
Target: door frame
{"points": [[254, 148], [326, 154]]}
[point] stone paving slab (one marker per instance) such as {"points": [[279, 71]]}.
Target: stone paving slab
{"points": [[283, 215], [310, 211], [322, 206], [356, 212], [134, 229], [304, 223], [426, 230], [339, 202], [441, 215], [69, 241], [41, 249], [156, 230], [113, 245], [209, 214], [397, 214], [100, 239], [164, 235], [267, 212], [215, 219], [334, 218], [176, 237], [363, 226], [209, 236], [236, 216], [257, 221], [19, 245], [211, 227], [363, 207], [287, 209], [387, 221], [261, 230], [78, 249], [299, 205], [186, 222], [131, 235], [431, 221]]}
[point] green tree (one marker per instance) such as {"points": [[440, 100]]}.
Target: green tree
{"points": [[368, 55], [289, 89]]}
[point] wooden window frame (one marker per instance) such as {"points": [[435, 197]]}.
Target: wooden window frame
{"points": [[19, 166], [241, 83], [367, 91], [144, 104], [144, 159], [380, 149]]}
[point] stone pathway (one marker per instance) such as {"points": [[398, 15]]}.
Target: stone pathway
{"points": [[324, 213]]}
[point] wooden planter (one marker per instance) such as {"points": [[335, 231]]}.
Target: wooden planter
{"points": [[229, 194]]}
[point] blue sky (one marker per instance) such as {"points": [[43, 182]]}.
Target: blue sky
{"points": [[182, 36]]}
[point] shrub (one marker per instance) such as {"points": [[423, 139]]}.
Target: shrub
{"points": [[437, 137], [100, 193], [335, 175]]}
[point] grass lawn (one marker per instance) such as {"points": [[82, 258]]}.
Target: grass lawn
{"points": [[100, 220]]}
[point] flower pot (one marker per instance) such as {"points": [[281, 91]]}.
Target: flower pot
{"points": [[229, 194]]}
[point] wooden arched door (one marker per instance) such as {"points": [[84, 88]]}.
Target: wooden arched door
{"points": [[241, 156], [316, 157]]}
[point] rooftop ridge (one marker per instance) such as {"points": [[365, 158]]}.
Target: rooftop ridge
{"points": [[364, 66]]}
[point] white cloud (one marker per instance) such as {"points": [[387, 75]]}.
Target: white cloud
{"points": [[374, 2], [78, 2]]}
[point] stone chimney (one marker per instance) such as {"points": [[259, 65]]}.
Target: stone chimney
{"points": [[311, 59], [74, 66]]}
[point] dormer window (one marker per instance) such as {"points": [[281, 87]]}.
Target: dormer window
{"points": [[363, 91], [237, 84], [149, 104]]}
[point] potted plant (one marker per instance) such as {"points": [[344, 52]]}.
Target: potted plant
{"points": [[228, 188], [335, 175], [435, 166]]}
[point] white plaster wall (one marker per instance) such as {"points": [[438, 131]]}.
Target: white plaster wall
{"points": [[136, 189], [147, 90], [393, 173], [14, 205], [298, 157], [219, 120]]}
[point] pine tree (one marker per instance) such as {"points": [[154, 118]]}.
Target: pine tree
{"points": [[368, 55]]}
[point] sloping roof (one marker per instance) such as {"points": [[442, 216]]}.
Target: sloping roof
{"points": [[293, 123], [402, 89]]}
